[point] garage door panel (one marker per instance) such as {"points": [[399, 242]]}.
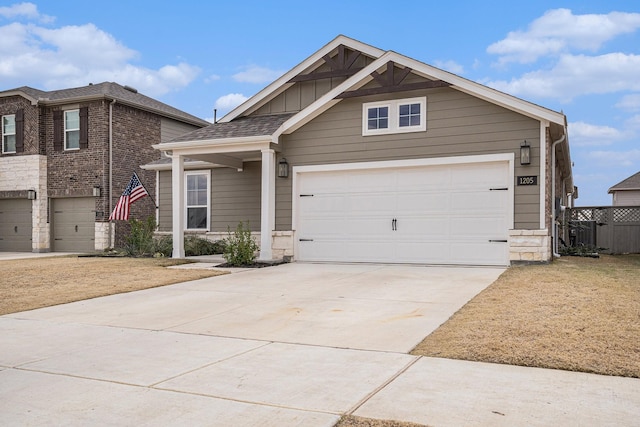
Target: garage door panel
{"points": [[425, 227], [411, 202], [486, 227], [73, 224], [380, 203], [16, 225], [434, 252], [444, 214]]}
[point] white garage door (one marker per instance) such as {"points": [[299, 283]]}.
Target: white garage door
{"points": [[446, 214]]}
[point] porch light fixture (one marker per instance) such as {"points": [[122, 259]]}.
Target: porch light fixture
{"points": [[283, 168], [31, 194], [96, 191], [525, 153]]}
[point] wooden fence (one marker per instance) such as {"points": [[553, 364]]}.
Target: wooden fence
{"points": [[615, 229]]}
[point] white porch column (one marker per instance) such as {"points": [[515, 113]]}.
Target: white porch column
{"points": [[177, 191], [267, 203]]}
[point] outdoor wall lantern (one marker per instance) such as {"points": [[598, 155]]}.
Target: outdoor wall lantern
{"points": [[283, 168], [525, 153], [31, 194], [96, 191]]}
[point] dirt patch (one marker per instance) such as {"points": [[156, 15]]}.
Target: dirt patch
{"points": [[351, 421], [576, 314], [41, 282]]}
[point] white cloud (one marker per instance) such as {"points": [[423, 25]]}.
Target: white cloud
{"points": [[633, 122], [451, 66], [616, 158], [584, 134], [630, 102], [27, 10], [212, 78], [78, 55], [559, 30], [576, 75], [230, 101], [255, 74]]}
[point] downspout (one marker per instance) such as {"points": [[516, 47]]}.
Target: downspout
{"points": [[553, 193], [111, 169]]}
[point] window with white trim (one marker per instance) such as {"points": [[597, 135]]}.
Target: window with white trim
{"points": [[395, 116], [198, 199], [72, 130], [9, 133]]}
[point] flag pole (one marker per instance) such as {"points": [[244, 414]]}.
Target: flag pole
{"points": [[145, 189]]}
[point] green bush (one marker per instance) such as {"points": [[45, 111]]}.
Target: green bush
{"points": [[193, 246], [240, 248], [140, 240]]}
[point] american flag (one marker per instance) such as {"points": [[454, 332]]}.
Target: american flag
{"points": [[134, 191]]}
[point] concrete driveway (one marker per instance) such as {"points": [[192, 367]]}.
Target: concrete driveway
{"points": [[292, 345]]}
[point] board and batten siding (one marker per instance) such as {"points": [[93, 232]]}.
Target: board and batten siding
{"points": [[171, 129], [235, 196], [458, 124], [301, 94]]}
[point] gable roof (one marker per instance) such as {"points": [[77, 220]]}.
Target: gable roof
{"points": [[224, 129], [631, 183], [105, 90]]}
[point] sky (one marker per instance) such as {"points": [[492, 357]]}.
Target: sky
{"points": [[580, 57]]}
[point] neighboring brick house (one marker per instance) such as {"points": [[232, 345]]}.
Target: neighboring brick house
{"points": [[66, 157]]}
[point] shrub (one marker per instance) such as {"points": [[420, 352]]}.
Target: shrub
{"points": [[193, 246], [240, 248], [140, 241]]}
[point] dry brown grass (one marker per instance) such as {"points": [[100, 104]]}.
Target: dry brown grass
{"points": [[352, 421], [577, 314], [27, 284]]}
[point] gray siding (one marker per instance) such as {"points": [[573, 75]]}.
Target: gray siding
{"points": [[300, 95], [457, 125], [235, 196], [170, 129]]}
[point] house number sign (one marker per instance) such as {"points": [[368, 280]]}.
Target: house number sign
{"points": [[528, 180]]}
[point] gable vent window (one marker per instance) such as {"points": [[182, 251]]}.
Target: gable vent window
{"points": [[397, 116]]}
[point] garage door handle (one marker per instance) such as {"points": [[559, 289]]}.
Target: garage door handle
{"points": [[499, 189], [76, 228], [305, 240], [498, 241]]}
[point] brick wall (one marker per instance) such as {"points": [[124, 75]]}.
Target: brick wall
{"points": [[74, 173], [12, 104]]}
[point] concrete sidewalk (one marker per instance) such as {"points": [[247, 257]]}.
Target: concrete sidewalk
{"points": [[292, 345]]}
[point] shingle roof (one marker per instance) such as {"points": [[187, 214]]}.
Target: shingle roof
{"points": [[631, 183], [108, 90], [239, 128]]}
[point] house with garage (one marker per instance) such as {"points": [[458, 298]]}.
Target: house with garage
{"points": [[358, 154], [67, 155]]}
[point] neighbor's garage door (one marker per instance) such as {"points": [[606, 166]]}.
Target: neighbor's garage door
{"points": [[449, 214], [73, 224], [15, 225]]}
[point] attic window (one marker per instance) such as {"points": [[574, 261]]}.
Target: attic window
{"points": [[396, 116]]}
